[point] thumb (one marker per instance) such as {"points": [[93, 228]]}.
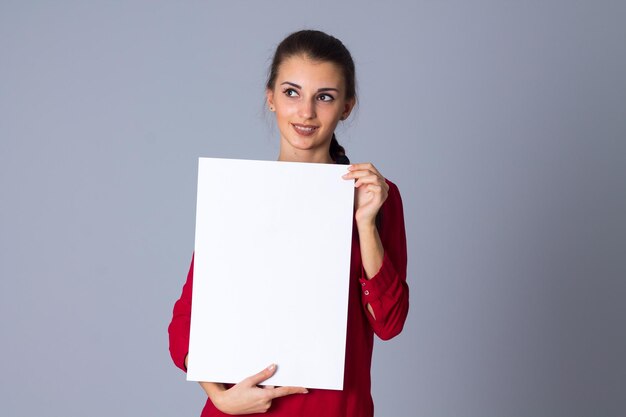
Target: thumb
{"points": [[261, 376]]}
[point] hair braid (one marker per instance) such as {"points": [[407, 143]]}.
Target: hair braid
{"points": [[337, 152]]}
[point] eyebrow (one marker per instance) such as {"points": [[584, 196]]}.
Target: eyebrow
{"points": [[319, 90]]}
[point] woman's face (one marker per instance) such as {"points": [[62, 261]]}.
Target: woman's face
{"points": [[309, 100]]}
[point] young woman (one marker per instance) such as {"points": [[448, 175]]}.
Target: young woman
{"points": [[310, 88]]}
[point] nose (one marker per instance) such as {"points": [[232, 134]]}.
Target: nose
{"points": [[306, 109]]}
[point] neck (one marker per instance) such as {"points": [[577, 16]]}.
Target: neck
{"points": [[319, 156], [306, 158]]}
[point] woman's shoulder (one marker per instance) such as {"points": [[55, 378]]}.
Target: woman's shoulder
{"points": [[393, 188]]}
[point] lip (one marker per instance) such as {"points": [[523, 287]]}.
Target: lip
{"points": [[304, 130]]}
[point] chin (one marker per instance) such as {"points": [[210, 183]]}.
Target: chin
{"points": [[304, 145]]}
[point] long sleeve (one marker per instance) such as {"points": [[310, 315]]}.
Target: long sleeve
{"points": [[179, 326], [387, 292]]}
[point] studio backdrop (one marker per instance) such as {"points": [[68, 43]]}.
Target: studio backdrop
{"points": [[502, 123]]}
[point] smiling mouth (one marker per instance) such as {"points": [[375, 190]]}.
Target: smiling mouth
{"points": [[304, 130]]}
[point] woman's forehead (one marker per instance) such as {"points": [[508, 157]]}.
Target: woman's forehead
{"points": [[305, 71]]}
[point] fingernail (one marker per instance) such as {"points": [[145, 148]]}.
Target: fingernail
{"points": [[306, 391], [271, 367]]}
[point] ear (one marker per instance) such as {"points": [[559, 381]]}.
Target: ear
{"points": [[269, 98], [347, 109]]}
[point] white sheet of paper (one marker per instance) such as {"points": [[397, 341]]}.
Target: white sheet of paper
{"points": [[271, 272]]}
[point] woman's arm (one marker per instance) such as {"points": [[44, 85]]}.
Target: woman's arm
{"points": [[372, 253], [178, 329], [247, 397], [383, 250]]}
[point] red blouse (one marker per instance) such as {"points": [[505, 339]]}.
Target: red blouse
{"points": [[387, 293]]}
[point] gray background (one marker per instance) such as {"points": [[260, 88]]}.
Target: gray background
{"points": [[503, 123]]}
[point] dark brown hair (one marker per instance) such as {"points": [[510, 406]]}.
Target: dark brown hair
{"points": [[322, 47]]}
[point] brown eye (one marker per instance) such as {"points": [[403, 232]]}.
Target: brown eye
{"points": [[290, 92], [325, 97]]}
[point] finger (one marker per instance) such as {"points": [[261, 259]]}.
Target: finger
{"points": [[367, 166], [360, 174], [364, 173], [284, 391], [361, 165], [374, 188], [256, 379], [371, 179]]}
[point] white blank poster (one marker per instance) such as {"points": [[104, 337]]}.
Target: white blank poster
{"points": [[271, 272]]}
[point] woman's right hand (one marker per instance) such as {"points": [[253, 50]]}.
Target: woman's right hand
{"points": [[247, 397]]}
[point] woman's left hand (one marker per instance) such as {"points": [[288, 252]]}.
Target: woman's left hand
{"points": [[371, 192]]}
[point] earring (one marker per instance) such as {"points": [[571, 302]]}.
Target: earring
{"points": [[271, 108]]}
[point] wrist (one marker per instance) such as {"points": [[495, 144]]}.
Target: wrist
{"points": [[213, 390], [366, 226]]}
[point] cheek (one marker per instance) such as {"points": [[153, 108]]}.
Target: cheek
{"points": [[285, 108], [330, 115]]}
